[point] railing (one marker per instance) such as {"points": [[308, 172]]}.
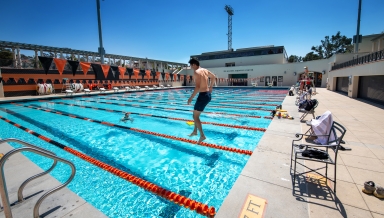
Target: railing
{"points": [[31, 64], [376, 56], [37, 150]]}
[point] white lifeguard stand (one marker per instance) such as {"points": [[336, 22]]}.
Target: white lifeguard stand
{"points": [[66, 85]]}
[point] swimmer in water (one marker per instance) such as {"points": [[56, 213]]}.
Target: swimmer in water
{"points": [[126, 117]]}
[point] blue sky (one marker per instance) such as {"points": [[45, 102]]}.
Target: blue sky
{"points": [[172, 30]]}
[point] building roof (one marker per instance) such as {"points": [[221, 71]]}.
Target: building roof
{"points": [[378, 36], [243, 52]]}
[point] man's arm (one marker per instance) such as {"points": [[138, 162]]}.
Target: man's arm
{"points": [[197, 87], [213, 80]]}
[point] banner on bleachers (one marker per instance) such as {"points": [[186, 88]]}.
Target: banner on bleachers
{"points": [[162, 75], [105, 68], [98, 71], [60, 64], [148, 74], [142, 73], [46, 63], [85, 67], [136, 73], [74, 65], [114, 73], [122, 71], [130, 72]]}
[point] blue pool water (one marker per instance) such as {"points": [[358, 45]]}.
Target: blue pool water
{"points": [[200, 173]]}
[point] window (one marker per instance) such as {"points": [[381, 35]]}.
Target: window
{"points": [[230, 64]]}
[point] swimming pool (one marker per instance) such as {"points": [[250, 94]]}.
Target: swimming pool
{"points": [[154, 148]]}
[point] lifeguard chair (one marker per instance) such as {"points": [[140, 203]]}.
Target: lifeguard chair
{"points": [[66, 87]]}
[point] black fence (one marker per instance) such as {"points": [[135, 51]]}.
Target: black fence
{"points": [[376, 56]]}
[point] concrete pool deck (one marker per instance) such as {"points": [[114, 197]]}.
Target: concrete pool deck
{"points": [[267, 175]]}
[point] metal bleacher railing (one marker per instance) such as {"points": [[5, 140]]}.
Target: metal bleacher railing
{"points": [[372, 57]]}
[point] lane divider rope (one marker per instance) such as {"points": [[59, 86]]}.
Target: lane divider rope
{"points": [[213, 96], [205, 144], [164, 117], [164, 108], [177, 100], [181, 200], [158, 102]]}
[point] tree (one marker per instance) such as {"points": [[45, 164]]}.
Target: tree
{"points": [[6, 58], [311, 57], [294, 58], [333, 45], [34, 63]]}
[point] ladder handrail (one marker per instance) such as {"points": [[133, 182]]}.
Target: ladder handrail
{"points": [[20, 197], [3, 186]]}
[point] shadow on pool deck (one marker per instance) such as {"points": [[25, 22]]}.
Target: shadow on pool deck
{"points": [[267, 173]]}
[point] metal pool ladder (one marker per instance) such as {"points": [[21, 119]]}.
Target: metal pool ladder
{"points": [[34, 149]]}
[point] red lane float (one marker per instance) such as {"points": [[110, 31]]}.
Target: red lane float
{"points": [[235, 150], [152, 107], [181, 200], [226, 125]]}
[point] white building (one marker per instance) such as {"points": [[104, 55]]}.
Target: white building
{"points": [[341, 72], [266, 63]]}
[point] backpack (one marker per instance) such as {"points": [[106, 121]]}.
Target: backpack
{"points": [[315, 153], [303, 104], [310, 104]]}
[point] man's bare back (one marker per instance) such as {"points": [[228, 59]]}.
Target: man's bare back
{"points": [[202, 76]]}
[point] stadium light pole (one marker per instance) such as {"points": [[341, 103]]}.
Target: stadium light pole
{"points": [[229, 10], [358, 29], [101, 49]]}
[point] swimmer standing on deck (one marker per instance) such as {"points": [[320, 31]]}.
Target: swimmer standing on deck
{"points": [[204, 89]]}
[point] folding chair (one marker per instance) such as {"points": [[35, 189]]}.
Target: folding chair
{"points": [[303, 96], [311, 111], [317, 125], [298, 91], [326, 154]]}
